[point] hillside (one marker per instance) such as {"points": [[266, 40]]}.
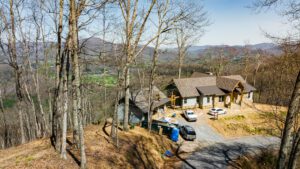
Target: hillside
{"points": [[137, 149]]}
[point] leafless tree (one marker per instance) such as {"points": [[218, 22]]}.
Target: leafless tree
{"points": [[189, 30], [289, 143]]}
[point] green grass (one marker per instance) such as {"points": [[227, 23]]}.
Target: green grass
{"points": [[9, 102], [105, 80]]}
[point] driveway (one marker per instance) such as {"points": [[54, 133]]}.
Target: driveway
{"points": [[204, 132], [220, 152]]}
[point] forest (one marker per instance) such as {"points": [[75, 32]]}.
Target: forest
{"points": [[65, 64]]}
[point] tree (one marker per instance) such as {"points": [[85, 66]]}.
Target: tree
{"points": [[289, 139], [10, 28], [133, 32], [286, 145], [189, 30]]}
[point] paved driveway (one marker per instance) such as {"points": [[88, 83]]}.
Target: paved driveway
{"points": [[221, 152], [203, 130]]}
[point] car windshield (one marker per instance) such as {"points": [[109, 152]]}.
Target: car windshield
{"points": [[213, 109], [190, 113], [190, 130], [219, 110]]}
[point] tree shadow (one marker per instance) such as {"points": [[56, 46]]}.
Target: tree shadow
{"points": [[222, 155], [71, 153], [177, 154]]}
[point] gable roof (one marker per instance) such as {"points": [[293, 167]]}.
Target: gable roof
{"points": [[247, 86], [188, 86], [193, 87], [140, 98], [210, 90], [226, 83]]}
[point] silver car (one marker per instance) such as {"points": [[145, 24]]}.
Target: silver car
{"points": [[217, 111]]}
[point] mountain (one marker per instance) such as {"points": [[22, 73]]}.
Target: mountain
{"points": [[94, 47]]}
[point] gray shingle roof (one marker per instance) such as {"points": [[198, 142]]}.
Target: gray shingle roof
{"points": [[227, 83], [188, 87], [210, 90]]}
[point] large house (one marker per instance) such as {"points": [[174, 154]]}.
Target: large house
{"points": [[206, 91]]}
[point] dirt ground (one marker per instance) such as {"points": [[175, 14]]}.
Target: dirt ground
{"points": [[137, 149], [251, 119]]}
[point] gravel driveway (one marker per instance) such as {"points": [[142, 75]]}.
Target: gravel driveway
{"points": [[221, 152]]}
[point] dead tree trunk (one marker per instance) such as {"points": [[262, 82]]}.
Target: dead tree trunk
{"points": [[287, 136]]}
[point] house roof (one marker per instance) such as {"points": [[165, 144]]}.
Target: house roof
{"points": [[188, 86], [192, 87], [226, 83], [247, 86], [210, 90], [140, 98]]}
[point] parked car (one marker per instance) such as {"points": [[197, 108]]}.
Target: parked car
{"points": [[217, 111], [187, 132], [190, 115]]}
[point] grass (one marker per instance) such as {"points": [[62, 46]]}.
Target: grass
{"points": [[105, 80], [9, 102], [246, 124]]}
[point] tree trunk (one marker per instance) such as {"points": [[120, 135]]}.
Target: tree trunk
{"points": [[152, 79], [286, 139], [76, 80], [5, 138], [295, 153], [65, 109], [20, 114], [56, 119], [127, 95]]}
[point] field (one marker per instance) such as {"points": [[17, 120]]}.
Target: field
{"points": [[257, 120], [137, 149]]}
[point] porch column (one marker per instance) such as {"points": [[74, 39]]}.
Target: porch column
{"points": [[213, 100], [242, 95], [231, 98]]}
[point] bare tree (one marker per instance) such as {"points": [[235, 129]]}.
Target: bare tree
{"points": [[9, 25], [289, 142], [189, 30]]}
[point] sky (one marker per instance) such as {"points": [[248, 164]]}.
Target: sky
{"points": [[234, 23]]}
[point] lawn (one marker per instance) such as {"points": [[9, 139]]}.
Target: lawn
{"points": [[105, 80], [248, 123]]}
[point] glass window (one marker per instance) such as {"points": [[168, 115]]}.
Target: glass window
{"points": [[184, 101], [208, 99], [221, 98], [249, 95]]}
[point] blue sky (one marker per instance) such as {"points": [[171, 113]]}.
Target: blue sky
{"points": [[235, 24]]}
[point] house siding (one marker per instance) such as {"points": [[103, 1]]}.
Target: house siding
{"points": [[133, 118], [248, 98], [191, 102]]}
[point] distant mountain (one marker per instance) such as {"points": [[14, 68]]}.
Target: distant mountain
{"points": [[97, 48]]}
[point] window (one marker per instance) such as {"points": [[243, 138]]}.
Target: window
{"points": [[249, 95], [208, 99], [185, 101], [221, 98]]}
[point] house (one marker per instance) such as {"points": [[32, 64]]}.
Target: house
{"points": [[210, 91], [139, 105]]}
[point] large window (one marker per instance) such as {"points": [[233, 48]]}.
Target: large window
{"points": [[185, 101], [207, 99], [221, 98]]}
